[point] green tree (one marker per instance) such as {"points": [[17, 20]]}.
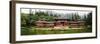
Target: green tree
{"points": [[89, 19], [75, 17], [24, 19]]}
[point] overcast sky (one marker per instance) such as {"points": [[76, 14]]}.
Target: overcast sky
{"points": [[63, 13], [56, 11]]}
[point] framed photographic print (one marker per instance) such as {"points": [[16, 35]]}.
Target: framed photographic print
{"points": [[41, 21]]}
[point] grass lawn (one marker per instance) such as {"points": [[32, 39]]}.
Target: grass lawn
{"points": [[39, 31]]}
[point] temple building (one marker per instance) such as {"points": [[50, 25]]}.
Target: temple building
{"points": [[60, 22]]}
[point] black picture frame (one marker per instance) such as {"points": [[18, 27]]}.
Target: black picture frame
{"points": [[13, 21]]}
